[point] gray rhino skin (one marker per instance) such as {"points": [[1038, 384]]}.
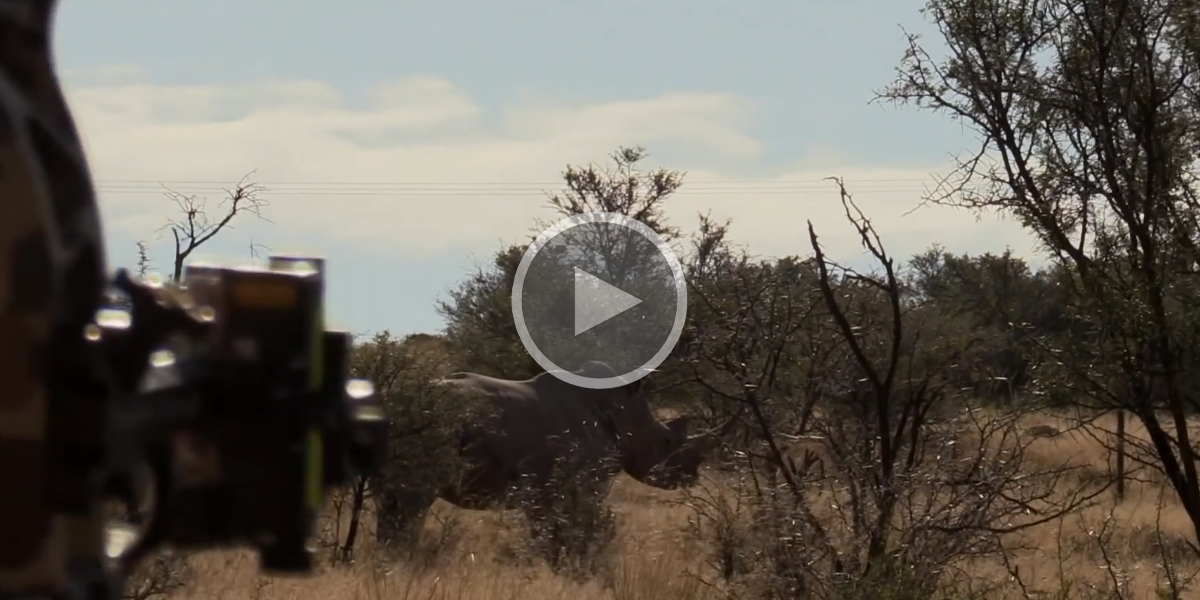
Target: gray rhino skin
{"points": [[537, 423]]}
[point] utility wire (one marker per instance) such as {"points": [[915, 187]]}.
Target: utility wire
{"points": [[556, 182], [496, 188], [328, 183]]}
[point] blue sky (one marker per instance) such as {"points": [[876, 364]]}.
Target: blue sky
{"points": [[324, 98]]}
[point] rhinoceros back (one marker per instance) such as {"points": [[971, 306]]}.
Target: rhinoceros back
{"points": [[533, 420]]}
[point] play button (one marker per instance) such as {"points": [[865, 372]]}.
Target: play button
{"points": [[599, 287], [597, 302]]}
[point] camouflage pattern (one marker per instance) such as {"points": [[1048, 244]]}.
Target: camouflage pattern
{"points": [[51, 279]]}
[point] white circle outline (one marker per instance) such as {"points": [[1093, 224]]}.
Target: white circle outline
{"points": [[664, 250]]}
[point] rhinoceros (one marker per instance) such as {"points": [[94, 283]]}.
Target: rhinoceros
{"points": [[540, 428]]}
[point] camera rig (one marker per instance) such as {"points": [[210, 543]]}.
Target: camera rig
{"points": [[226, 388]]}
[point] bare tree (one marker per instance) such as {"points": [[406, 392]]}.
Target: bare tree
{"points": [[196, 226], [1088, 116], [910, 479]]}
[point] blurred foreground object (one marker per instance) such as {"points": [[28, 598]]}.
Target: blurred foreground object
{"points": [[236, 398], [224, 398], [241, 407]]}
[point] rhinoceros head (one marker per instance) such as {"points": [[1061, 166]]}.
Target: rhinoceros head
{"points": [[684, 455], [657, 453]]}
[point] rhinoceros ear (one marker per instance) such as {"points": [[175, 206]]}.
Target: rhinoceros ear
{"points": [[637, 388]]}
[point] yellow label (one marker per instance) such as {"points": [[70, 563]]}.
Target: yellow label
{"points": [[265, 294]]}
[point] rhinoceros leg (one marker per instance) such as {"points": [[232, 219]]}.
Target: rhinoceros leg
{"points": [[565, 513], [542, 509], [401, 516]]}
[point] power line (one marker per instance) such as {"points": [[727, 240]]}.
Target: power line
{"points": [[684, 193], [497, 188], [157, 182], [515, 193]]}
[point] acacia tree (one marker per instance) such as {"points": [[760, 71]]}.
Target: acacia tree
{"points": [[478, 312], [424, 422], [479, 324], [381, 361], [751, 339], [482, 335], [999, 294], [623, 189], [1088, 119]]}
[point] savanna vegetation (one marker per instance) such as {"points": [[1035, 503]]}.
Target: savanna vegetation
{"points": [[934, 426]]}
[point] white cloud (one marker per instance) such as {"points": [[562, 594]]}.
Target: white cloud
{"points": [[425, 129]]}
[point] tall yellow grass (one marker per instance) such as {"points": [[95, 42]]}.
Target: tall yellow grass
{"points": [[471, 555]]}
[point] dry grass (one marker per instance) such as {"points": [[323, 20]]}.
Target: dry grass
{"points": [[468, 555]]}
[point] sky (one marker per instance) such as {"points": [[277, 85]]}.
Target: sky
{"points": [[407, 141]]}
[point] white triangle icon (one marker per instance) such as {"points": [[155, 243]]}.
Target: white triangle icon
{"points": [[597, 301]]}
